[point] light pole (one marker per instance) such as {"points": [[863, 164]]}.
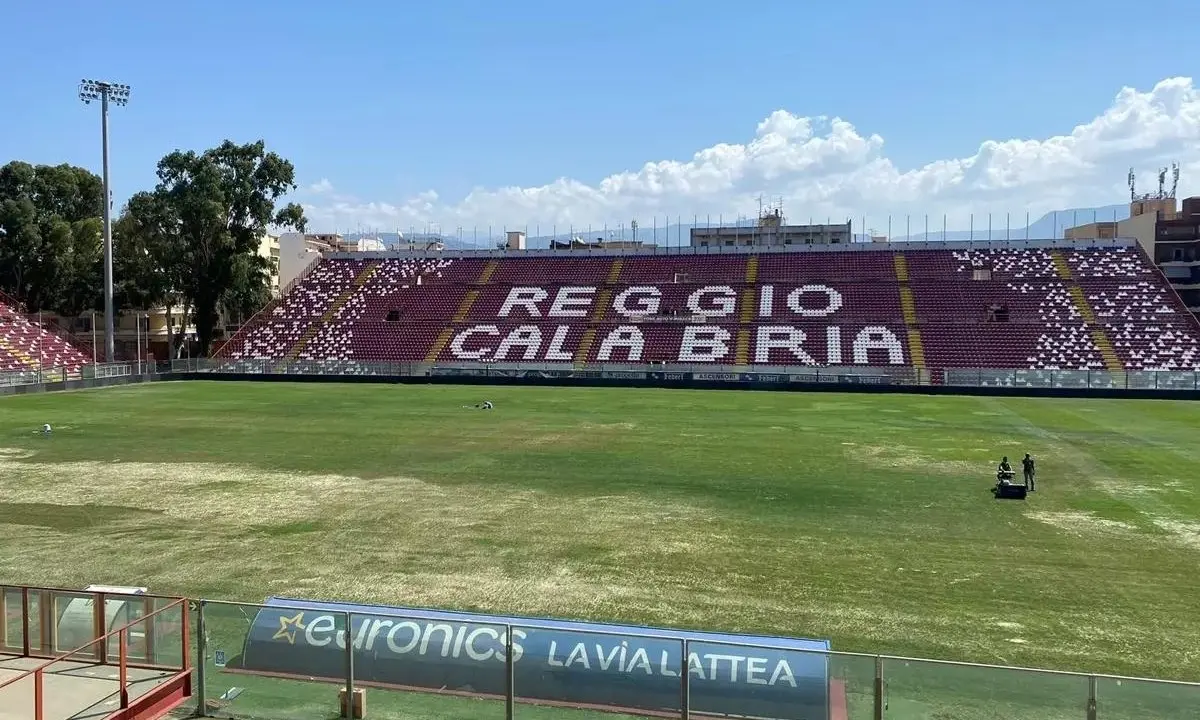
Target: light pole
{"points": [[106, 93]]}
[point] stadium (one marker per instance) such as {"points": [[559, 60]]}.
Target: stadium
{"points": [[654, 462], [639, 491]]}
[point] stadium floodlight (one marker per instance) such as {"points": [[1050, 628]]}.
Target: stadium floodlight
{"points": [[116, 94]]}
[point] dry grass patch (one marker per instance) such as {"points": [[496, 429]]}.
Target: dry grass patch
{"points": [[906, 458], [1079, 523], [389, 539]]}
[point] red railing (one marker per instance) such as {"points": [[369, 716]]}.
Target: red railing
{"points": [[100, 655]]}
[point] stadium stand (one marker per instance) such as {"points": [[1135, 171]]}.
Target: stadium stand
{"points": [[1037, 306], [25, 345]]}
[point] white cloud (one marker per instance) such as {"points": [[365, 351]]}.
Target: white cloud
{"points": [[828, 168], [320, 187]]}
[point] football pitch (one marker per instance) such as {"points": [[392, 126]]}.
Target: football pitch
{"points": [[864, 519]]}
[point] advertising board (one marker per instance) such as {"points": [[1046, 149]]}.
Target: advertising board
{"points": [[635, 669]]}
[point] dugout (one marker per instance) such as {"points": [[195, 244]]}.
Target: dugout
{"points": [[77, 616], [620, 668]]}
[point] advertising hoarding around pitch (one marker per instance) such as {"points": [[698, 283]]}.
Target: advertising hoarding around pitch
{"points": [[556, 661]]}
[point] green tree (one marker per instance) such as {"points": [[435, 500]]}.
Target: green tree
{"points": [[250, 288], [213, 209], [148, 259], [80, 269], [50, 248]]}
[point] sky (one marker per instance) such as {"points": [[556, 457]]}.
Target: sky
{"points": [[473, 113]]}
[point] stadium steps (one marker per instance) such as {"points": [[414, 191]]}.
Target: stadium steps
{"points": [[603, 299], [614, 272], [465, 306], [329, 314], [18, 353], [908, 306], [747, 315], [916, 350], [585, 346], [439, 345], [742, 351], [1060, 266], [1112, 363], [460, 315], [488, 271], [752, 270]]}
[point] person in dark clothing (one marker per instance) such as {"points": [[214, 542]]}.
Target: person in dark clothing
{"points": [[1030, 473], [1004, 472]]}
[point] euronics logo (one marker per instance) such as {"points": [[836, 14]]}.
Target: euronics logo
{"points": [[288, 627]]}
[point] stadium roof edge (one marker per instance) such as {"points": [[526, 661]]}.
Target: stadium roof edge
{"points": [[902, 246]]}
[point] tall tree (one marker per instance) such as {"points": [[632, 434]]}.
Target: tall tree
{"points": [[49, 250], [80, 269], [147, 259], [250, 288], [213, 208]]}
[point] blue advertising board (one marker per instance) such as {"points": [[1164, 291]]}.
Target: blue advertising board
{"points": [[615, 666]]}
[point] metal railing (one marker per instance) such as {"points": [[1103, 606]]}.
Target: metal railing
{"points": [[37, 376], [851, 686], [904, 375], [1165, 380], [766, 243], [50, 375], [96, 650], [269, 660]]}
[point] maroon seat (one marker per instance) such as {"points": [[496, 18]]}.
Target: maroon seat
{"points": [[841, 307], [27, 345]]}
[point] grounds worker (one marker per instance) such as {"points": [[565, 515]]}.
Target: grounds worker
{"points": [[1027, 465], [1004, 471]]}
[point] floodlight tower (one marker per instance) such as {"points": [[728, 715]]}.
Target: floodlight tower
{"points": [[115, 94]]}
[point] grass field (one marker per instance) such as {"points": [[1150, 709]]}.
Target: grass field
{"points": [[863, 519]]}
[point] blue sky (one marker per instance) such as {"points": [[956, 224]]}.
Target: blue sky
{"points": [[387, 101]]}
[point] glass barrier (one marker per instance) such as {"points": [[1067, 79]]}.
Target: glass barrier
{"points": [[121, 610], [1176, 380], [165, 633], [39, 607], [1074, 379], [283, 663], [12, 621], [153, 645], [896, 375], [579, 675], [234, 687], [71, 624], [1127, 699], [918, 690], [419, 669], [852, 682], [1141, 380]]}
